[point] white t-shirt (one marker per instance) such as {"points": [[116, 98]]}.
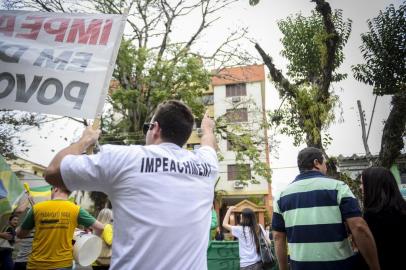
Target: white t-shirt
{"points": [[246, 246], [161, 197]]}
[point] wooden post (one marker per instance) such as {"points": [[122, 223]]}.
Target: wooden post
{"points": [[95, 125], [364, 136]]}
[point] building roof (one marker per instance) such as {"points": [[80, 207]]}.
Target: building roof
{"points": [[233, 75], [18, 160], [248, 204], [356, 157]]}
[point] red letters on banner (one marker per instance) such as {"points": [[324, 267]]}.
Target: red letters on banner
{"points": [[34, 27], [69, 30], [7, 25]]}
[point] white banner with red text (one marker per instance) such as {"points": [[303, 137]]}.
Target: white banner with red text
{"points": [[57, 63]]}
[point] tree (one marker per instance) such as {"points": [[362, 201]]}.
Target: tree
{"points": [[141, 89], [384, 51], [11, 124], [314, 47]]}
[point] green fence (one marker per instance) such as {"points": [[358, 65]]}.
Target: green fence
{"points": [[223, 255]]}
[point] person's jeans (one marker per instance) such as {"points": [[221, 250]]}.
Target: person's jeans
{"points": [[255, 266], [6, 259], [20, 266]]}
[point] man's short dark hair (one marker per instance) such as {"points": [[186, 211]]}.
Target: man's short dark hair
{"points": [[12, 216], [175, 120], [63, 189], [306, 157]]}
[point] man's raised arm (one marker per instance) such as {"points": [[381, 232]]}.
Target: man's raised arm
{"points": [[208, 137], [53, 172]]}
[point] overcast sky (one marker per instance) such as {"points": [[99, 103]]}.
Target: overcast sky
{"points": [[261, 21]]}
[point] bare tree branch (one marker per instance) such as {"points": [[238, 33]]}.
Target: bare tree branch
{"points": [[276, 74]]}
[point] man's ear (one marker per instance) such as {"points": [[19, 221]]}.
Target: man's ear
{"points": [[156, 129], [316, 163]]}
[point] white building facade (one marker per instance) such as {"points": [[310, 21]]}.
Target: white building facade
{"points": [[240, 93]]}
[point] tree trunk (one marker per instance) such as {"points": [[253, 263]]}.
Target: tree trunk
{"points": [[392, 137], [313, 142]]}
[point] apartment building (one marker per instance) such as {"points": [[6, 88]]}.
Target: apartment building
{"points": [[239, 94]]}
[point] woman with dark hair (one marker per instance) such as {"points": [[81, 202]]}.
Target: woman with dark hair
{"points": [[385, 213], [248, 242]]}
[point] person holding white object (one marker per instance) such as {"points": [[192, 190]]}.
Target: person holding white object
{"points": [[161, 193]]}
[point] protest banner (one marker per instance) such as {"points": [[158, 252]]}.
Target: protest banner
{"points": [[57, 63]]}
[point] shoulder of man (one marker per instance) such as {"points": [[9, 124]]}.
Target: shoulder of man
{"points": [[324, 181], [328, 180], [41, 204], [206, 151], [338, 184], [120, 148], [85, 218], [54, 203]]}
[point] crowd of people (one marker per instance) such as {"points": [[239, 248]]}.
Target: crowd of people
{"points": [[46, 234], [162, 198]]}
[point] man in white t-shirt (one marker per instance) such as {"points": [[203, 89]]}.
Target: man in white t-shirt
{"points": [[161, 193]]}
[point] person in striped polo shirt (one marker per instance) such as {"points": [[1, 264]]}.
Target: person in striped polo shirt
{"points": [[311, 214]]}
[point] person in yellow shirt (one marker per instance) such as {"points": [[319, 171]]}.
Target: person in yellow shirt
{"points": [[106, 218], [54, 222]]}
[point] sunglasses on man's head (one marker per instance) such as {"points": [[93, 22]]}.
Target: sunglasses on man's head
{"points": [[147, 126]]}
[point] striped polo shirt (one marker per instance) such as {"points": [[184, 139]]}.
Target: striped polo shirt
{"points": [[311, 211]]}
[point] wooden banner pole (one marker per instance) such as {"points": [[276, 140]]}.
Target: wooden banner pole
{"points": [[95, 126], [96, 122]]}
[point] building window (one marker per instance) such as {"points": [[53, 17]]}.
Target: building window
{"points": [[197, 123], [237, 115], [238, 172], [208, 100], [193, 146], [236, 90]]}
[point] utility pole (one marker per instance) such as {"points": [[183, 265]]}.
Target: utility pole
{"points": [[364, 136]]}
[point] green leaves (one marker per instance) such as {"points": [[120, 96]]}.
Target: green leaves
{"points": [[300, 117], [145, 81], [314, 47], [304, 44], [384, 50]]}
